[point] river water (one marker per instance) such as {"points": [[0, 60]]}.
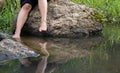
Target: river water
{"points": [[63, 55]]}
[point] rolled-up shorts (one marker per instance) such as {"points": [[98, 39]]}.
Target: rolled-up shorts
{"points": [[31, 2]]}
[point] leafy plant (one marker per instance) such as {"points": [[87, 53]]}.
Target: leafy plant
{"points": [[110, 8], [7, 14]]}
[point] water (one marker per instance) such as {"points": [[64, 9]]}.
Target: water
{"points": [[59, 55]]}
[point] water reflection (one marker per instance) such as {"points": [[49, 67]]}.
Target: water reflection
{"points": [[61, 49], [44, 49], [42, 63], [29, 66], [91, 55], [25, 62], [39, 65]]}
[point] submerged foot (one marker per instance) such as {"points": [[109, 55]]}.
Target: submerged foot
{"points": [[43, 27]]}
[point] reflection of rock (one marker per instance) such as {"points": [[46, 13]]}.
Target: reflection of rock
{"points": [[61, 49], [65, 19], [67, 49], [10, 49]]}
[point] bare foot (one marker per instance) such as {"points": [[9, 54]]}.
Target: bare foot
{"points": [[43, 27], [16, 38]]}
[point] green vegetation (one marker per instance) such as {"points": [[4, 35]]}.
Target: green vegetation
{"points": [[111, 11], [7, 14], [11, 66], [112, 33], [110, 8]]}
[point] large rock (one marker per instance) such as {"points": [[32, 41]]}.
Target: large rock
{"points": [[66, 19], [10, 49]]}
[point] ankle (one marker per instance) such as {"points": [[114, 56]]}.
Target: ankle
{"points": [[16, 36], [43, 21]]}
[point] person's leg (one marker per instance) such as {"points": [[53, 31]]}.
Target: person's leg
{"points": [[25, 62], [42, 65], [42, 4], [22, 17]]}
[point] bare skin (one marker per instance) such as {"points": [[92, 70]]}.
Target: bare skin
{"points": [[43, 49], [25, 62], [23, 15], [42, 4]]}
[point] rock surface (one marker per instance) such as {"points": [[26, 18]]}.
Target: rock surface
{"points": [[65, 19], [10, 49]]}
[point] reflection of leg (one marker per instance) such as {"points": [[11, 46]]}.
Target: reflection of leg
{"points": [[43, 10], [42, 65], [25, 62], [22, 17], [43, 49], [51, 68]]}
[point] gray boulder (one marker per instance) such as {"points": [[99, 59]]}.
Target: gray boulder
{"points": [[10, 49]]}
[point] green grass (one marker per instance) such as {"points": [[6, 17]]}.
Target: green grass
{"points": [[111, 11], [7, 15], [111, 32], [110, 8]]}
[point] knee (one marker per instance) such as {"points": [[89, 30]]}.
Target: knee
{"points": [[27, 6]]}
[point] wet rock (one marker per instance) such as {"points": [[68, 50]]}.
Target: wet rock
{"points": [[10, 49], [65, 19]]}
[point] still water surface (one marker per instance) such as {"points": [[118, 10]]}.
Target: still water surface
{"points": [[91, 55]]}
